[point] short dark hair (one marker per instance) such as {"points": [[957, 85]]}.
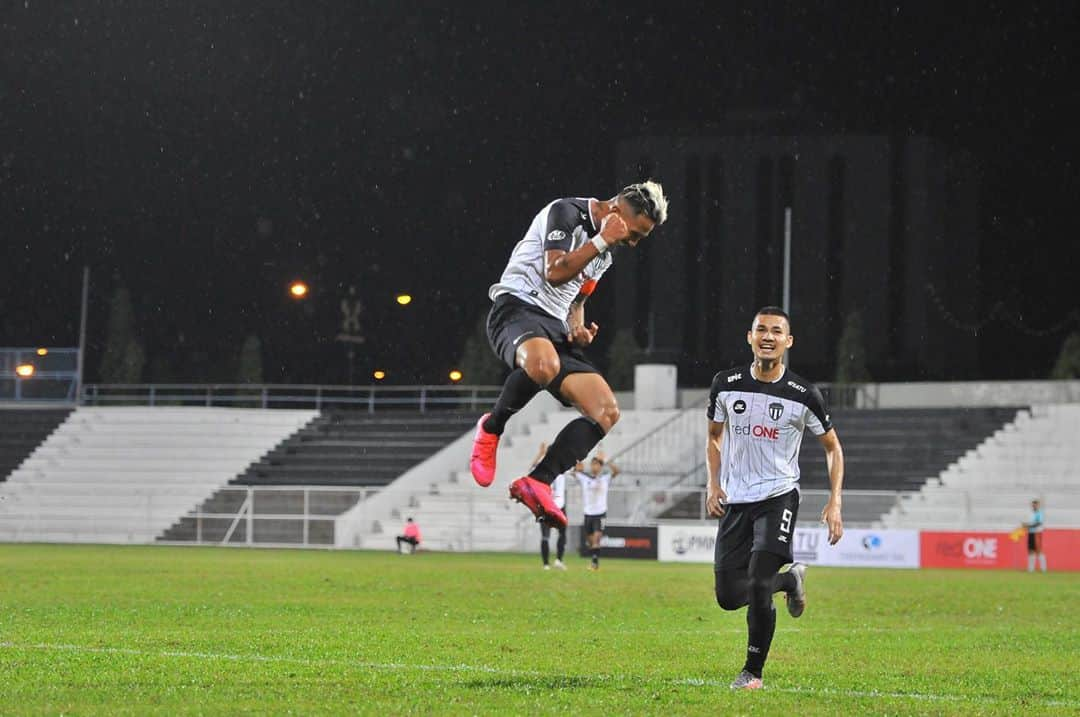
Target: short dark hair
{"points": [[774, 311]]}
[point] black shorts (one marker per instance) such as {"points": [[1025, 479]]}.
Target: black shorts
{"points": [[594, 524], [512, 321], [766, 525], [1034, 542]]}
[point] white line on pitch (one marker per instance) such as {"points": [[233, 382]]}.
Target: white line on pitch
{"points": [[484, 669]]}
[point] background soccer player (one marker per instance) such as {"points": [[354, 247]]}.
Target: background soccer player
{"points": [[537, 326], [757, 415], [558, 494], [594, 493]]}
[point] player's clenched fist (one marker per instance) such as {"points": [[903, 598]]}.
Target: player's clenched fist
{"points": [[613, 229], [583, 335]]}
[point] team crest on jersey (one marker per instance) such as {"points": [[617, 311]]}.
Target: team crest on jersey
{"points": [[776, 410], [557, 235]]}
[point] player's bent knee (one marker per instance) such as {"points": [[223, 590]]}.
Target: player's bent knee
{"points": [[605, 413], [728, 601], [542, 370]]}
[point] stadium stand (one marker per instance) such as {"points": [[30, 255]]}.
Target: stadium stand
{"points": [[351, 449], [124, 474], [989, 488], [454, 513], [22, 430]]}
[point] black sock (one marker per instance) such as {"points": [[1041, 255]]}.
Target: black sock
{"points": [[572, 444], [560, 544], [517, 390], [545, 551], [761, 614], [595, 557]]}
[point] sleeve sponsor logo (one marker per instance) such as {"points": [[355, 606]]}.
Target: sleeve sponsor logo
{"points": [[797, 387], [556, 236], [734, 377]]}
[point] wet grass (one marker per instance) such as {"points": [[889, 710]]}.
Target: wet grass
{"points": [[162, 630]]}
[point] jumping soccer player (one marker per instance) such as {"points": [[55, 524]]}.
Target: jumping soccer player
{"points": [[757, 416], [537, 326]]}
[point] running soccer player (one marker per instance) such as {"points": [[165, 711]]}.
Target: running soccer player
{"points": [[757, 415], [594, 492], [537, 326]]}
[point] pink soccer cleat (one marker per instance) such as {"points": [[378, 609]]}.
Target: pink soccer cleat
{"points": [[484, 446], [536, 496]]}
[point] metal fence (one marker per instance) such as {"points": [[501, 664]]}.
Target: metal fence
{"points": [[364, 398], [306, 516]]}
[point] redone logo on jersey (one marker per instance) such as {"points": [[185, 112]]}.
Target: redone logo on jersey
{"points": [[757, 431]]}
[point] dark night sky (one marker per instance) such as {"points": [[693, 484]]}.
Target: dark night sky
{"points": [[203, 153]]}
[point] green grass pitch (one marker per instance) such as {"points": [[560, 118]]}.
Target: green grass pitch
{"points": [[163, 630]]}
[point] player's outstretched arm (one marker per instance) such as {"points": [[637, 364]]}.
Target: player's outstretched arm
{"points": [[834, 459], [715, 497]]}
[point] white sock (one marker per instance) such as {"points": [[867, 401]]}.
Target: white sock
{"points": [[1031, 562], [1042, 562]]}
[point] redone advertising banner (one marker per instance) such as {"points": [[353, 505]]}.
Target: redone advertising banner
{"points": [[991, 550]]}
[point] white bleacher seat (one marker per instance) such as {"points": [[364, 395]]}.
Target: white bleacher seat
{"points": [[125, 474], [990, 488]]}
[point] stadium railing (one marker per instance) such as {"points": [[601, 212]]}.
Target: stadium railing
{"points": [[305, 516], [369, 398]]}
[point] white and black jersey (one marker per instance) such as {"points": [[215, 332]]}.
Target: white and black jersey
{"points": [[594, 490], [764, 428], [565, 224]]}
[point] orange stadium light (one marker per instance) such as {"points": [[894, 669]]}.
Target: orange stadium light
{"points": [[456, 375], [379, 374], [43, 352], [24, 370], [298, 289]]}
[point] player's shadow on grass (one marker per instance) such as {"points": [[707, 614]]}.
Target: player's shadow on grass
{"points": [[539, 682]]}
